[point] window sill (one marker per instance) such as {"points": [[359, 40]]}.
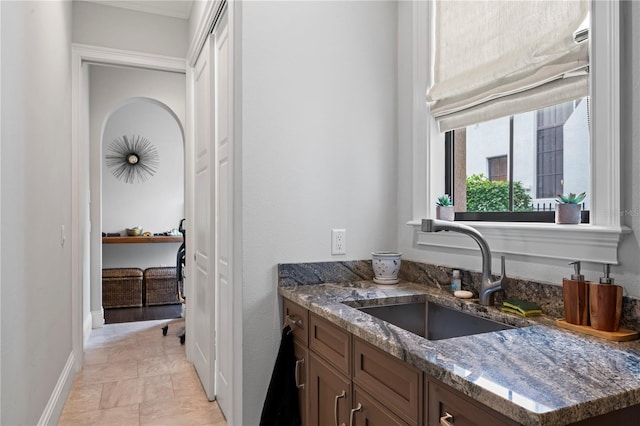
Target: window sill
{"points": [[589, 243]]}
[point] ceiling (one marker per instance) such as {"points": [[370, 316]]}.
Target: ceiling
{"points": [[174, 8]]}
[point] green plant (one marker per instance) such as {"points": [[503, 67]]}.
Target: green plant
{"points": [[484, 195], [571, 198], [444, 201]]}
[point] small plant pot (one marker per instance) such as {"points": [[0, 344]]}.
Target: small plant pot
{"points": [[386, 265], [445, 213], [568, 214]]}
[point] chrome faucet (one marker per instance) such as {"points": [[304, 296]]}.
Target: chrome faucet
{"points": [[487, 286]]}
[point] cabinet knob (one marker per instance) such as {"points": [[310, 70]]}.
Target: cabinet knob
{"points": [[298, 363], [335, 407], [353, 413], [444, 420]]}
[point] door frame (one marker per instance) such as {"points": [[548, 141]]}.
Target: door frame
{"points": [[82, 55]]}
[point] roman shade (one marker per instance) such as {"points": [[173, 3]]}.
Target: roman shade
{"points": [[492, 58]]}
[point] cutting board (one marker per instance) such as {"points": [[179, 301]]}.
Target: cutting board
{"points": [[622, 335]]}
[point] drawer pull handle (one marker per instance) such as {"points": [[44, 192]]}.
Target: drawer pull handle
{"points": [[293, 321], [353, 413], [298, 363], [335, 407], [444, 420]]}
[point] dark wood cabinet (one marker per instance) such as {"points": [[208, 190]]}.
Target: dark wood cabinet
{"points": [[367, 411], [298, 318], [345, 381], [446, 406], [329, 394], [331, 343], [302, 378], [388, 379]]}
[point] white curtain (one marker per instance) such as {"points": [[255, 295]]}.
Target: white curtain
{"points": [[496, 58]]}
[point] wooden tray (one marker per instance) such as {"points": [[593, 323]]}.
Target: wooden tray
{"points": [[622, 335]]}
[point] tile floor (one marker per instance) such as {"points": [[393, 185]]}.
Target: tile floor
{"points": [[133, 375]]}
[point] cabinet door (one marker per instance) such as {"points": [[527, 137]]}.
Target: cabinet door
{"points": [[302, 374], [448, 405], [368, 412], [329, 394]]}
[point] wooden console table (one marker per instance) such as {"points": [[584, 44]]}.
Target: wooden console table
{"points": [[141, 240]]}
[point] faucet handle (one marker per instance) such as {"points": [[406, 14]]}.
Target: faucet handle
{"points": [[503, 267]]}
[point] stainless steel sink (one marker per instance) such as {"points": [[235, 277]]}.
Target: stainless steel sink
{"points": [[433, 321]]}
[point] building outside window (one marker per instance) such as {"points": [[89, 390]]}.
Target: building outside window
{"points": [[550, 150]]}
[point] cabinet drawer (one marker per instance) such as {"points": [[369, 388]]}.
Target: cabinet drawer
{"points": [[371, 412], [330, 342], [298, 318], [388, 379], [443, 401]]}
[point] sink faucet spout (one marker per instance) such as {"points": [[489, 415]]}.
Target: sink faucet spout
{"points": [[487, 286]]}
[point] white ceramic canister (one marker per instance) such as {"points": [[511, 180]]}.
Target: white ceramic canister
{"points": [[386, 265]]}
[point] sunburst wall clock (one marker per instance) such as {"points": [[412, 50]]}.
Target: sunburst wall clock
{"points": [[132, 159]]}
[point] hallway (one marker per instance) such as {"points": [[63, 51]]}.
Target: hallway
{"points": [[133, 375]]}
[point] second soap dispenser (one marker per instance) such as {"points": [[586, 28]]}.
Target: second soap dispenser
{"points": [[605, 303], [575, 294]]}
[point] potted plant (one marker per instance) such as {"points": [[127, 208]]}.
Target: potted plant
{"points": [[444, 208], [568, 208]]}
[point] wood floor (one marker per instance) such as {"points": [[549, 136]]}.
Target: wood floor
{"points": [[133, 375], [145, 313]]}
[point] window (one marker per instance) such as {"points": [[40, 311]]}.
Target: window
{"points": [[517, 164], [549, 149], [597, 242], [497, 168]]}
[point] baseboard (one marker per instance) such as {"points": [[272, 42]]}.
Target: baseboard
{"points": [[52, 411], [97, 318]]}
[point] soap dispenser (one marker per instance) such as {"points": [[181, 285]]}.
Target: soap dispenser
{"points": [[575, 293], [605, 303]]}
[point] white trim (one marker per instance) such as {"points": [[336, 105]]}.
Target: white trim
{"points": [[586, 243], [80, 55], [605, 113], [97, 319], [108, 56], [204, 27], [598, 241], [0, 217], [58, 397], [421, 127]]}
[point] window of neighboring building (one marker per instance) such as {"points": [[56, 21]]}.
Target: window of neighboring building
{"points": [[529, 159], [497, 167]]}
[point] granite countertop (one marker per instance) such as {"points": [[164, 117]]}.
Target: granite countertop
{"points": [[538, 374]]}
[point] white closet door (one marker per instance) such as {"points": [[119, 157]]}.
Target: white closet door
{"points": [[224, 214], [202, 301]]}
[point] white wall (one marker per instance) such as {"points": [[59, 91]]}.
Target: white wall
{"points": [[318, 152], [110, 88], [36, 202], [157, 204], [106, 26]]}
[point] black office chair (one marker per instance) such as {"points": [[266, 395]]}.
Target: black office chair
{"points": [[180, 264]]}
